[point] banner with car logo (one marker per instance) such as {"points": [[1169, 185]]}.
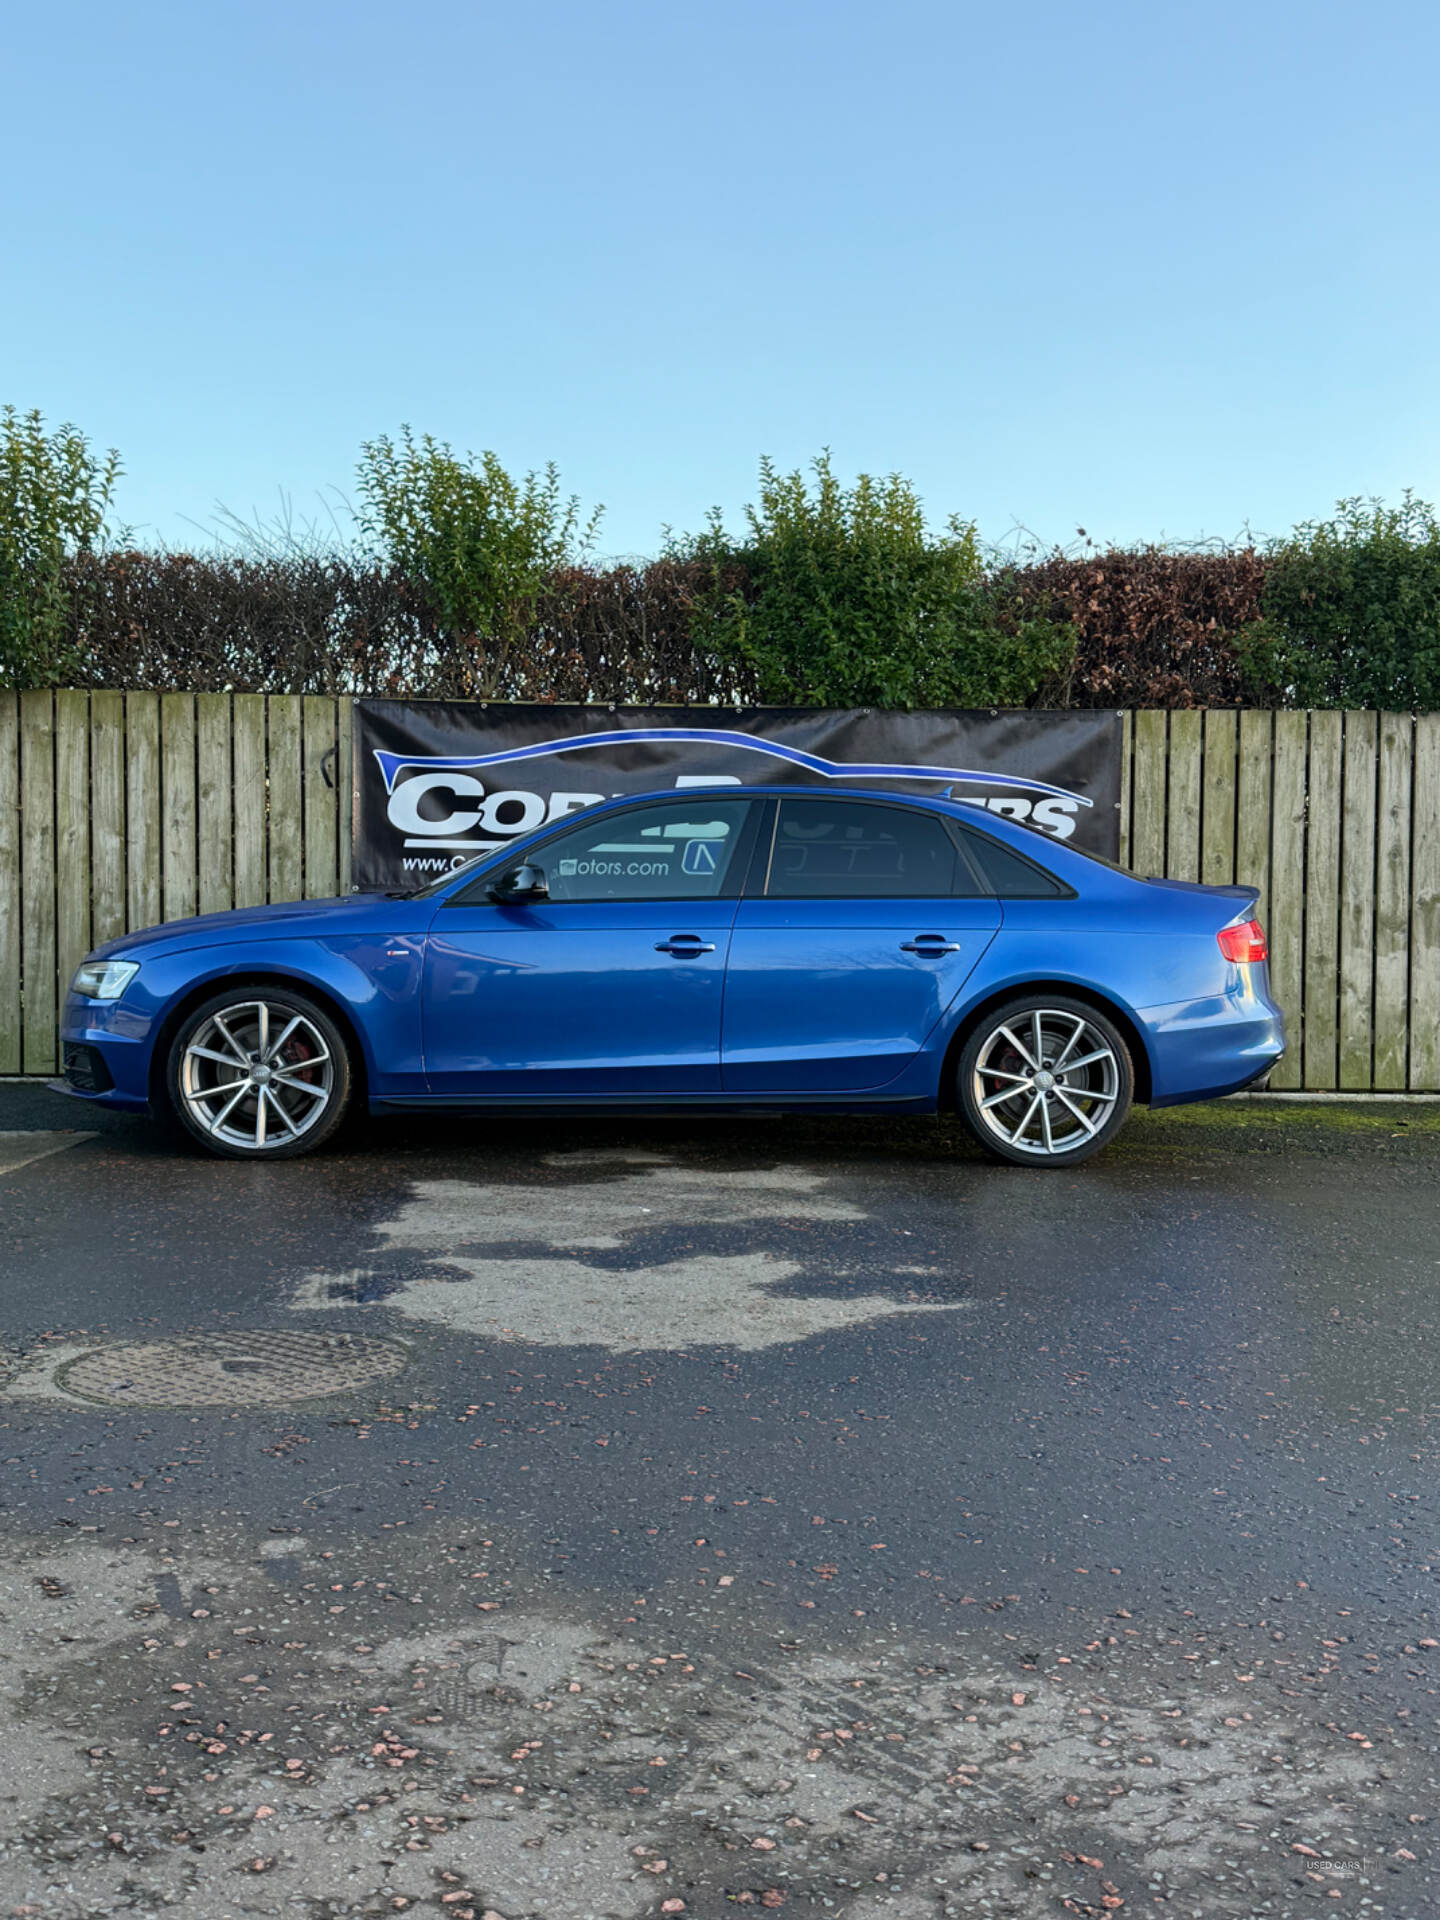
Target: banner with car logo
{"points": [[439, 781]]}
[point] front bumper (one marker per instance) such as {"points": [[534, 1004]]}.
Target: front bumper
{"points": [[84, 1068], [105, 1050]]}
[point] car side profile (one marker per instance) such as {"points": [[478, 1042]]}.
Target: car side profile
{"points": [[707, 950]]}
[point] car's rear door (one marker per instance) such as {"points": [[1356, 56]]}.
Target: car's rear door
{"points": [[862, 921]]}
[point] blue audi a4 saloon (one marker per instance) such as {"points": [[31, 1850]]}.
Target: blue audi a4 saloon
{"points": [[707, 950]]}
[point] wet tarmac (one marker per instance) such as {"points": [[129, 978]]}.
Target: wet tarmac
{"points": [[799, 1514]]}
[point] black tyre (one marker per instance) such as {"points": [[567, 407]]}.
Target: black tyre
{"points": [[259, 1073], [1044, 1081]]}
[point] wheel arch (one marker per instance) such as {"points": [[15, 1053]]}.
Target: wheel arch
{"points": [[1066, 989], [197, 995]]}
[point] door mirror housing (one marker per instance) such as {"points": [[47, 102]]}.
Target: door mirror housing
{"points": [[521, 884]]}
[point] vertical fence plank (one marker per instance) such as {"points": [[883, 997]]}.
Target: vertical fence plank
{"points": [[345, 739], [1287, 891], [321, 817], [212, 801], [250, 800], [107, 816], [287, 868], [1357, 903], [72, 835], [177, 804], [1425, 910], [9, 883], [37, 879], [1182, 826], [1252, 804], [1324, 793], [142, 809], [1147, 784], [1217, 827], [1392, 900], [1127, 725]]}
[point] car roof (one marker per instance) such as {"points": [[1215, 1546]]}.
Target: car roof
{"points": [[791, 789], [965, 809], [1032, 843]]}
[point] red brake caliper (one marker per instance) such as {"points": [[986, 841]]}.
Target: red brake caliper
{"points": [[297, 1053]]}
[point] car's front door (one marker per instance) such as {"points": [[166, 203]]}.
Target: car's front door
{"points": [[611, 984], [861, 926]]}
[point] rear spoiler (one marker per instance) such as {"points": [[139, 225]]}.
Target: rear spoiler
{"points": [[1246, 895]]}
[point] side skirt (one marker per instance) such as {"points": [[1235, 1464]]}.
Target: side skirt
{"points": [[691, 1103]]}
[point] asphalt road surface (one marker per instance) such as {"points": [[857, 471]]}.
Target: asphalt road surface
{"points": [[613, 1520]]}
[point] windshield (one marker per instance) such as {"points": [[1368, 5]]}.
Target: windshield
{"points": [[1089, 853], [1050, 839], [473, 865]]}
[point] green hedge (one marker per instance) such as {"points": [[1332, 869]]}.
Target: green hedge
{"points": [[1350, 614], [463, 582]]}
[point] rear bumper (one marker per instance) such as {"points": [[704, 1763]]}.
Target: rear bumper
{"points": [[1200, 1049], [1217, 1092]]}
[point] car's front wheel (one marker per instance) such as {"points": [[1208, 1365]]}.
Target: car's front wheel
{"points": [[1045, 1081], [258, 1074]]}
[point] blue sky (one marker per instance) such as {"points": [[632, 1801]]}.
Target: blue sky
{"points": [[1154, 270]]}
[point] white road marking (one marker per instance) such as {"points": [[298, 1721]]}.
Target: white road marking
{"points": [[19, 1149]]}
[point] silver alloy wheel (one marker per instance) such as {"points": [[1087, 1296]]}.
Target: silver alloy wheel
{"points": [[257, 1075], [1046, 1081]]}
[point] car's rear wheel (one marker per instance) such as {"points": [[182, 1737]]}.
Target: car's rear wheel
{"points": [[1045, 1081], [259, 1074]]}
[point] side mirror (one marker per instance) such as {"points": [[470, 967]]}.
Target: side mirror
{"points": [[520, 884]]}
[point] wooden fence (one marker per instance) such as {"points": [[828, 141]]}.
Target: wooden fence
{"points": [[1336, 818], [121, 810]]}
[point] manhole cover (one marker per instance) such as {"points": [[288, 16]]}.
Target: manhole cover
{"points": [[230, 1369]]}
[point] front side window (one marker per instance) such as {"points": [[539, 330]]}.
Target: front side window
{"points": [[856, 850], [680, 851]]}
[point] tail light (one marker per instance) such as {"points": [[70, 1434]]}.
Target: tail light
{"points": [[1243, 942]]}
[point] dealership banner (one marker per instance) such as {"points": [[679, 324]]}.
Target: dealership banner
{"points": [[439, 781]]}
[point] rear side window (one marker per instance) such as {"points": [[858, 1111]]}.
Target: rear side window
{"points": [[851, 850], [1012, 876]]}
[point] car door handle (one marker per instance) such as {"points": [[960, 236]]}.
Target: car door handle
{"points": [[931, 945], [684, 945]]}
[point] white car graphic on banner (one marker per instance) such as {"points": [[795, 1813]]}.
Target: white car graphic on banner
{"points": [[513, 810]]}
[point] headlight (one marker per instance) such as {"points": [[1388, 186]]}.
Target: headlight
{"points": [[104, 979]]}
